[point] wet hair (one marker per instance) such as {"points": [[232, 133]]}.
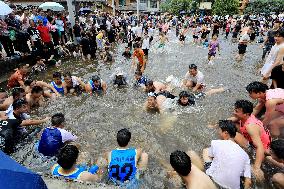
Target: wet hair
{"points": [[123, 137], [67, 74], [57, 119], [67, 156], [96, 78], [191, 98], [56, 75], [17, 91], [245, 105], [277, 147], [28, 82], [38, 58], [192, 66], [135, 45], [181, 162], [229, 127], [256, 87], [37, 89], [280, 33], [19, 103], [138, 73]]}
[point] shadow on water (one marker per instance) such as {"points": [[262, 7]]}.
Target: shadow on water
{"points": [[95, 120]]}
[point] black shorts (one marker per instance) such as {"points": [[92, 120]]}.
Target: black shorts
{"points": [[242, 48], [195, 37], [235, 35], [207, 165], [145, 51], [181, 37], [167, 94]]}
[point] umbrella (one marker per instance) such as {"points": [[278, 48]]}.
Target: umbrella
{"points": [[15, 176], [52, 6], [85, 10], [4, 8]]}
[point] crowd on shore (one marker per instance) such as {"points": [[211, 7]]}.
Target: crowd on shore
{"points": [[47, 37]]}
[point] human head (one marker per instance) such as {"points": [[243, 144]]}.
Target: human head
{"points": [[243, 108], [186, 99], [150, 86], [138, 75], [57, 78], [256, 89], [192, 68], [215, 37], [67, 77], [279, 36], [57, 119], [37, 91], [123, 137], [97, 80], [67, 156], [17, 93], [20, 106], [277, 150], [25, 69], [227, 129], [39, 60], [136, 46], [181, 162], [152, 105]]}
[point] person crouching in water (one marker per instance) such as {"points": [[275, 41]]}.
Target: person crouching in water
{"points": [[186, 99], [96, 85], [57, 84], [66, 166], [54, 137], [74, 85], [125, 162]]}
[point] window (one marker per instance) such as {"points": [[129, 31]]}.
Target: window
{"points": [[153, 4]]}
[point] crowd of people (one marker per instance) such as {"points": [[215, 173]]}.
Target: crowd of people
{"points": [[48, 37]]}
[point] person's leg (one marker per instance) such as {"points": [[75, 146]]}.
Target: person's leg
{"points": [[276, 126], [195, 159], [278, 180], [143, 163], [205, 155], [213, 91]]}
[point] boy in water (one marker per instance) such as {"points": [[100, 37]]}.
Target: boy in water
{"points": [[124, 162], [54, 137], [57, 83], [191, 175], [213, 46]]}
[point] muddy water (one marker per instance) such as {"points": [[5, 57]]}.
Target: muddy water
{"points": [[95, 120]]}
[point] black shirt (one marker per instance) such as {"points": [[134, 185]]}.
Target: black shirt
{"points": [[277, 74], [8, 132], [77, 30]]}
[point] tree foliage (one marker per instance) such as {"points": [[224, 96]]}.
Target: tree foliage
{"points": [[225, 7], [265, 6], [176, 6]]}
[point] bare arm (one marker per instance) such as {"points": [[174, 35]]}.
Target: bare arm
{"points": [[34, 122], [197, 86], [104, 86], [277, 61], [44, 84], [270, 107], [247, 183], [274, 83], [258, 108]]}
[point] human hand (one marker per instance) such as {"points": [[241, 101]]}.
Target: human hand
{"points": [[258, 173], [46, 119]]}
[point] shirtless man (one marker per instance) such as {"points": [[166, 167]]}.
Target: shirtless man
{"points": [[96, 85], [154, 103], [46, 87], [17, 93], [191, 175], [273, 101], [35, 98], [155, 87]]}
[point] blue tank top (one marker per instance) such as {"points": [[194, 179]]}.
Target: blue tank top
{"points": [[142, 81], [122, 165], [96, 88], [50, 142], [60, 90], [75, 175]]}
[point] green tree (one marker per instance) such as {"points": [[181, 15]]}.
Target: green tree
{"points": [[176, 6], [265, 6], [225, 7]]}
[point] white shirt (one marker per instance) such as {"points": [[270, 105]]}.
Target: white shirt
{"points": [[198, 79], [146, 43], [108, 24], [66, 135], [230, 162]]}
